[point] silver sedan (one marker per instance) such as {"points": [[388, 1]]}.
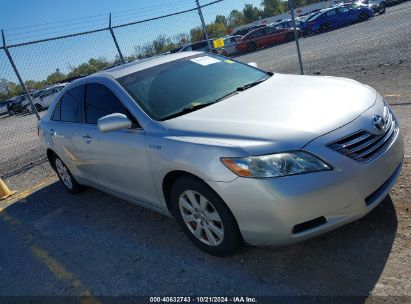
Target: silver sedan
{"points": [[234, 153]]}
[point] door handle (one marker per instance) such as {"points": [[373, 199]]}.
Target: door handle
{"points": [[87, 138], [52, 132]]}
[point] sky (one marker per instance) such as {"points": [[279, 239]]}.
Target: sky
{"points": [[24, 20]]}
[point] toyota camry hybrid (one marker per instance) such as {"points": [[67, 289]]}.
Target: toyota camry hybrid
{"points": [[234, 153]]}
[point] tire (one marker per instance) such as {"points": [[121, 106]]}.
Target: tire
{"points": [[210, 226], [289, 37], [251, 47], [324, 28], [39, 108], [65, 176], [363, 17], [382, 8], [11, 112]]}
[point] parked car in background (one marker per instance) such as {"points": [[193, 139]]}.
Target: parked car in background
{"points": [[244, 31], [232, 152], [200, 46], [3, 106], [264, 37], [287, 23], [229, 47], [17, 105], [378, 6], [336, 17], [43, 100]]}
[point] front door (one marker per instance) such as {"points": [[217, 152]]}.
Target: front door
{"points": [[119, 158]]}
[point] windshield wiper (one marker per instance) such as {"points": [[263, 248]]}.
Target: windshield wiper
{"points": [[196, 107], [188, 109], [251, 84]]}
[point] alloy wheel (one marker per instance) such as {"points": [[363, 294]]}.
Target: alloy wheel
{"points": [[64, 174], [201, 218]]}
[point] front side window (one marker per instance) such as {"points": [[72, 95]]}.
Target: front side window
{"points": [[71, 105], [101, 101], [167, 89]]}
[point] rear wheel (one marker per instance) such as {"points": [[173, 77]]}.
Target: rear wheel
{"points": [[39, 108], [204, 217], [324, 28], [382, 8], [289, 37], [363, 17], [251, 47], [66, 177]]}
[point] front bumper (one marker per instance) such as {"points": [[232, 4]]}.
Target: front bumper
{"points": [[269, 210]]}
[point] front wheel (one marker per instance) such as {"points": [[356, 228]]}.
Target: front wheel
{"points": [[204, 217]]}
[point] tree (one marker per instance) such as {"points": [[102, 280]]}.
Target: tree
{"points": [[221, 19], [273, 7], [215, 30], [236, 18], [196, 34], [92, 66], [55, 77], [251, 13]]}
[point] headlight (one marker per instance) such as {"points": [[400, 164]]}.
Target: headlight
{"points": [[275, 165]]}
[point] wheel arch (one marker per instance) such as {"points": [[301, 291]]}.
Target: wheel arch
{"points": [[171, 177], [50, 156]]}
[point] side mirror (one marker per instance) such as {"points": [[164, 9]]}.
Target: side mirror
{"points": [[253, 64], [112, 122]]}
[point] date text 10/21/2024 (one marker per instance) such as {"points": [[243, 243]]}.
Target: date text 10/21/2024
{"points": [[203, 299]]}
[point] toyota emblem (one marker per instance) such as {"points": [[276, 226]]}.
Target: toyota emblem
{"points": [[378, 123]]}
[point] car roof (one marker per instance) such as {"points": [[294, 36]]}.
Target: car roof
{"points": [[139, 65]]}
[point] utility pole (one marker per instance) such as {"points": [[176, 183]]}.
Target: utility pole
{"points": [[290, 4], [115, 40], [200, 13], [6, 50]]}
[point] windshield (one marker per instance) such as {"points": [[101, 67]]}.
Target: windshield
{"points": [[168, 89]]}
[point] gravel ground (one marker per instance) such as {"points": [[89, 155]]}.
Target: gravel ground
{"points": [[53, 243]]}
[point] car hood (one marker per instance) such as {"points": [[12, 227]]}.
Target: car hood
{"points": [[283, 113]]}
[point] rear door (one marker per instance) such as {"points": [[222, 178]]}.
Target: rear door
{"points": [[332, 19], [346, 16], [64, 131], [274, 35]]}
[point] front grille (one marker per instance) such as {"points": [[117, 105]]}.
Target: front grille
{"points": [[364, 146]]}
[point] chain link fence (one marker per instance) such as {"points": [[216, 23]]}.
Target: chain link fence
{"points": [[328, 46]]}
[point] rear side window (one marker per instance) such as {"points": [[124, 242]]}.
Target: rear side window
{"points": [[331, 13], [56, 114], [71, 105], [101, 101]]}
